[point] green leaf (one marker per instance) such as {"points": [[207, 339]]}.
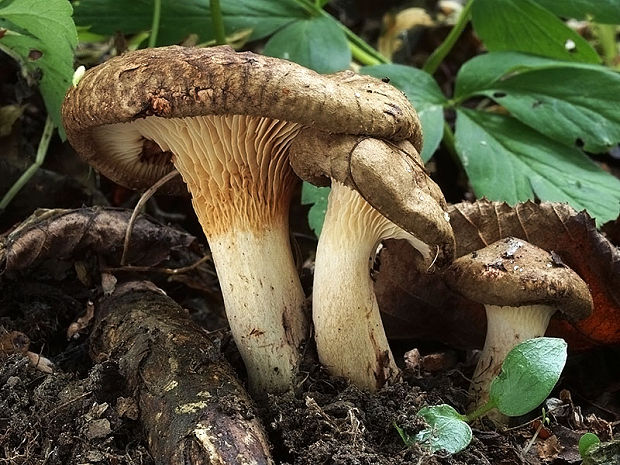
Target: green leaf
{"points": [[424, 94], [264, 17], [506, 160], [529, 373], [447, 430], [316, 43], [586, 442], [43, 35], [525, 26], [317, 197], [574, 104], [601, 11], [181, 18]]}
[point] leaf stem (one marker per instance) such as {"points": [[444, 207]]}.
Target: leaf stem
{"points": [[218, 22], [155, 23], [48, 130], [490, 405], [362, 56], [433, 61]]}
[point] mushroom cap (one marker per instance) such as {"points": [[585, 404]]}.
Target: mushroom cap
{"points": [[513, 272], [178, 82], [390, 176]]}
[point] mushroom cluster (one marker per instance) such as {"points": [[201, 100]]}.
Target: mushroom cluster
{"points": [[225, 121], [239, 127]]}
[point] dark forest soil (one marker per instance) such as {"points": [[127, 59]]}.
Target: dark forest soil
{"points": [[83, 413]]}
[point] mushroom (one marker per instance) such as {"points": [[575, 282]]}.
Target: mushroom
{"points": [[521, 287], [349, 335], [225, 120]]}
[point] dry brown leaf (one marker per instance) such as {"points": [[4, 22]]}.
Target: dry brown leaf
{"points": [[409, 298]]}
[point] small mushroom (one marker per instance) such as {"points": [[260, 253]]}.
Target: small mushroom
{"points": [[521, 287], [349, 335], [226, 120]]}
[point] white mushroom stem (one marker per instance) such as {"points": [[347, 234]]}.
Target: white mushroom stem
{"points": [[350, 339], [263, 300], [237, 170], [506, 328]]}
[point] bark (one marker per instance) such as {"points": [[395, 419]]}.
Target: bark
{"points": [[193, 408]]}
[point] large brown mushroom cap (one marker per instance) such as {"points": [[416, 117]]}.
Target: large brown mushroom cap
{"points": [[513, 272], [177, 82]]}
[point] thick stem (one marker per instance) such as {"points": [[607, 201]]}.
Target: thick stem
{"points": [[264, 301], [506, 328], [349, 334]]}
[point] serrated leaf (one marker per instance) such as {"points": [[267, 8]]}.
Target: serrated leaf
{"points": [[525, 26], [425, 95], [529, 373], [44, 36], [317, 197], [179, 19], [600, 11], [577, 104], [506, 160], [447, 431], [316, 43]]}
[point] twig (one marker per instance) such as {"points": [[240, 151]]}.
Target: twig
{"points": [[164, 270], [145, 197], [64, 404]]}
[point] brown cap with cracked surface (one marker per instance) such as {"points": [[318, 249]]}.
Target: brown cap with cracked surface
{"points": [[177, 82], [390, 176], [513, 272]]}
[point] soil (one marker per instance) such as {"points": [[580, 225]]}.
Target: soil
{"points": [[83, 412]]}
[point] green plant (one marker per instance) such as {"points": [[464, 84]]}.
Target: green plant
{"points": [[40, 36], [587, 441], [529, 373]]}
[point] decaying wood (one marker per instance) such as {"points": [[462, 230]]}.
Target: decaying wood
{"points": [[193, 408]]}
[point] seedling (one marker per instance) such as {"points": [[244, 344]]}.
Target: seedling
{"points": [[586, 442], [529, 373]]}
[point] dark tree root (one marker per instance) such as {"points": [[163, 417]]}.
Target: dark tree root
{"points": [[193, 408]]}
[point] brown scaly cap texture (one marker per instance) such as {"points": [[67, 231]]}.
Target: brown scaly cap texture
{"points": [[513, 272], [176, 82], [390, 176]]}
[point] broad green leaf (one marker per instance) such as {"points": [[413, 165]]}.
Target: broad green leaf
{"points": [[424, 94], [506, 160], [601, 11], [529, 373], [525, 26], [42, 33], [483, 71], [264, 17], [447, 431], [576, 105], [181, 18], [587, 441], [316, 43], [317, 197]]}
